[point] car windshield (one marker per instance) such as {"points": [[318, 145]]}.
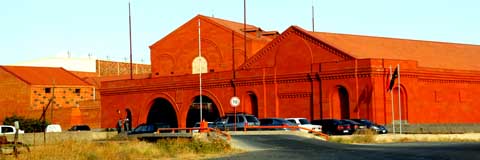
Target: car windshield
{"points": [[304, 121], [367, 122], [251, 119]]}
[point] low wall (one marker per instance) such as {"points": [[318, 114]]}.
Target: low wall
{"points": [[435, 128]]}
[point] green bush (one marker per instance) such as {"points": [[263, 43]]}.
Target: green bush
{"points": [[26, 124]]}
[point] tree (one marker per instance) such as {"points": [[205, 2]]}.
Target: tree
{"points": [[26, 124]]}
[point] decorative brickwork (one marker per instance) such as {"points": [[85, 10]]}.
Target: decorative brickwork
{"points": [[301, 74]]}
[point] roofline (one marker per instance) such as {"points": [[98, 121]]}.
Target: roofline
{"points": [[205, 18], [13, 73], [280, 38], [308, 33], [68, 72], [75, 76], [402, 39]]}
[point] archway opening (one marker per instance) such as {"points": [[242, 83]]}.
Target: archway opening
{"points": [[340, 103], [162, 111], [253, 103], [128, 119], [209, 111], [404, 104]]}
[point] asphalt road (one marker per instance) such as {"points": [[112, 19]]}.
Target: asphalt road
{"points": [[294, 147]]}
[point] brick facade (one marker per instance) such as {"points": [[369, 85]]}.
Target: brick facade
{"points": [[28, 97], [297, 74]]}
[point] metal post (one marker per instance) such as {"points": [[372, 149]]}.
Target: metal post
{"points": [[393, 109], [313, 18], [200, 68], [245, 30], [399, 100], [130, 34]]}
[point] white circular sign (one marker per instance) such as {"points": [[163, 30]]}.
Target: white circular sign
{"points": [[235, 101]]}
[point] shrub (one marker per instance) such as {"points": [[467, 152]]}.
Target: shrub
{"points": [[26, 124]]}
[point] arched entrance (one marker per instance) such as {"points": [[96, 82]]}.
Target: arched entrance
{"points": [[209, 111], [340, 101], [404, 104], [252, 104], [162, 111], [129, 117]]}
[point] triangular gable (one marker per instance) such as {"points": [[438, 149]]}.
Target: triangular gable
{"points": [[222, 24], [294, 43], [44, 75]]}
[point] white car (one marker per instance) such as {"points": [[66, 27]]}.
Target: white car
{"points": [[303, 122], [8, 129], [53, 128]]}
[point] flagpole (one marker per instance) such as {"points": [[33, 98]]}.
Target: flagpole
{"points": [[130, 33], [399, 100], [313, 18], [245, 30], [200, 67], [391, 96]]}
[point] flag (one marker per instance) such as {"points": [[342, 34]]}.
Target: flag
{"points": [[392, 79]]}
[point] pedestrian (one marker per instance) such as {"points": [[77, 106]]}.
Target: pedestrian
{"points": [[119, 126], [126, 124]]}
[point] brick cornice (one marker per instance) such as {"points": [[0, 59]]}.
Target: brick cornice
{"points": [[295, 95]]}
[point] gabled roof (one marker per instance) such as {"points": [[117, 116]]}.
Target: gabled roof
{"points": [[229, 25], [238, 27], [44, 75], [427, 53]]}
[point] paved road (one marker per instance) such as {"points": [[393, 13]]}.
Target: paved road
{"points": [[294, 147]]}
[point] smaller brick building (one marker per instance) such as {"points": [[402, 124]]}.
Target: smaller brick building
{"points": [[25, 91]]}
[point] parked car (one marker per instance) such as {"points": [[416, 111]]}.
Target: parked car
{"points": [[197, 125], [333, 126], [8, 129], [227, 122], [53, 128], [303, 122], [276, 122], [81, 127], [368, 124], [149, 128], [354, 126]]}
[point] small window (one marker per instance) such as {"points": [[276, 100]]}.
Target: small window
{"points": [[77, 91], [48, 90]]}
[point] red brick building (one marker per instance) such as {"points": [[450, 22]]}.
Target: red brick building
{"points": [[297, 74], [25, 91]]}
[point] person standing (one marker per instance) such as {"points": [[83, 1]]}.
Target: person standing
{"points": [[119, 125], [126, 124]]}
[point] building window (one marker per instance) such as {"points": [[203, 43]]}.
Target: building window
{"points": [[199, 65], [48, 90], [77, 91]]}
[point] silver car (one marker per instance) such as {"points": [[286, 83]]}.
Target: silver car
{"points": [[227, 122]]}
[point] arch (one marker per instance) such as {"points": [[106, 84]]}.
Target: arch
{"points": [[404, 103], [142, 115], [162, 111], [199, 65], [340, 103], [129, 117], [210, 111], [251, 103]]}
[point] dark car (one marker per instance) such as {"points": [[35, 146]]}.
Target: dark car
{"points": [[333, 126], [370, 125], [227, 122], [79, 128], [354, 126], [276, 122], [149, 128]]}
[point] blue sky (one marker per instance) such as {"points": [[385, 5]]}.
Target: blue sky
{"points": [[32, 29]]}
